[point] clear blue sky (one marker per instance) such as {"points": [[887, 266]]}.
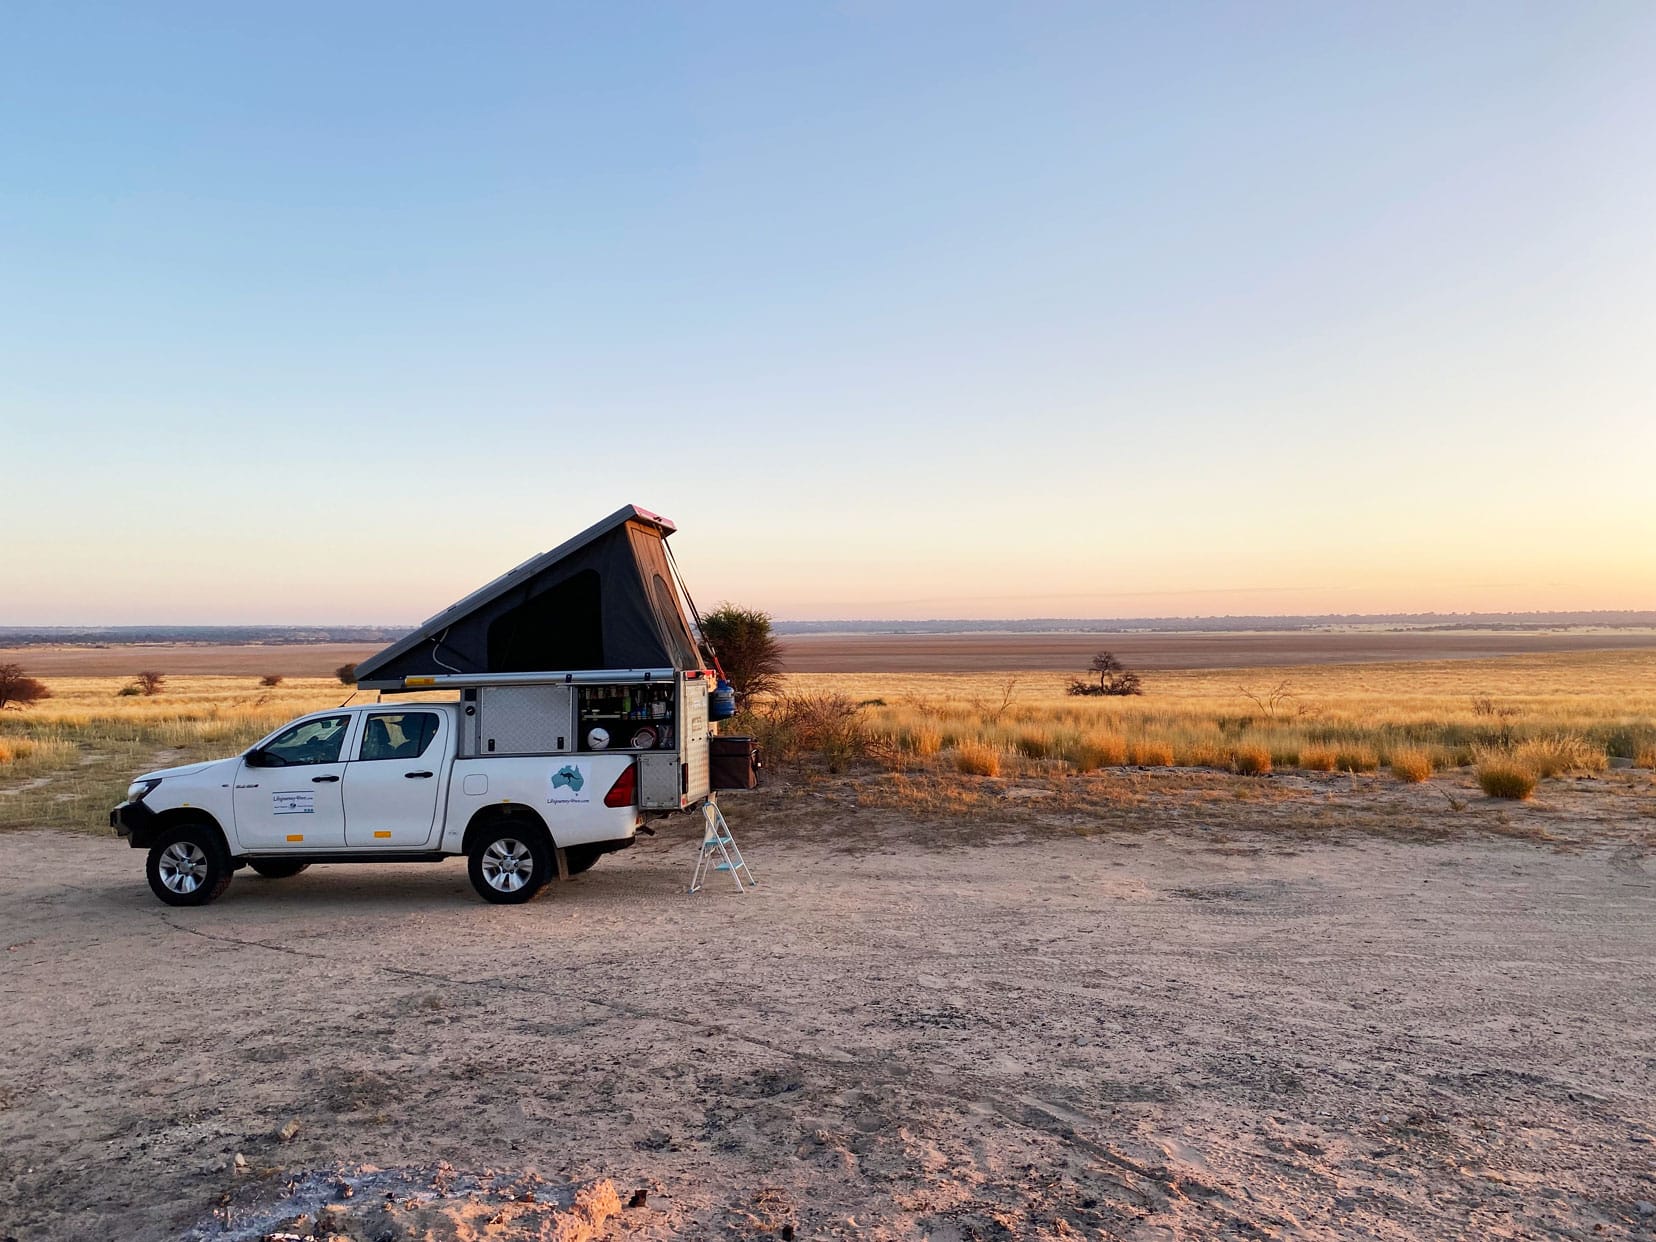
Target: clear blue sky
{"points": [[331, 312]]}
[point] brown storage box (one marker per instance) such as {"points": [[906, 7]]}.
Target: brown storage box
{"points": [[733, 762]]}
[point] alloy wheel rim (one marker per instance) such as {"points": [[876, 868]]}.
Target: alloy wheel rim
{"points": [[507, 865], [183, 867]]}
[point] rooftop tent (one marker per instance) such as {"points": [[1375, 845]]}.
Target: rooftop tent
{"points": [[604, 599]]}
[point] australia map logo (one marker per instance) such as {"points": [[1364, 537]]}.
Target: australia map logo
{"points": [[567, 783]]}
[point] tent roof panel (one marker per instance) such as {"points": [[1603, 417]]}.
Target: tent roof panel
{"points": [[435, 625]]}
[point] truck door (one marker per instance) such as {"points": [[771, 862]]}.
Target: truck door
{"points": [[291, 798], [392, 782]]}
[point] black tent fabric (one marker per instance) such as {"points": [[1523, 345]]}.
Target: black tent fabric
{"points": [[604, 599]]}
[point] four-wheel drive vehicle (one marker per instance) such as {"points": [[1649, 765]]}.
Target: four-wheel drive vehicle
{"points": [[531, 773], [419, 782]]}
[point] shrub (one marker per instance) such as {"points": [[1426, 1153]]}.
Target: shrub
{"points": [[1251, 761], [128, 692], [1151, 754], [830, 724], [745, 648], [1411, 765], [1319, 759], [346, 674], [150, 683], [270, 680], [1503, 777], [976, 759], [17, 689]]}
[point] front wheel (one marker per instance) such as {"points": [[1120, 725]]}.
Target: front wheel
{"points": [[188, 866], [276, 868], [508, 865]]}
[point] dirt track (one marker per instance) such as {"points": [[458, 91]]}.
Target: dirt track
{"points": [[1200, 1032]]}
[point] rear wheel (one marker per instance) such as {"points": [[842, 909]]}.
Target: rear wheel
{"points": [[508, 864], [188, 866], [276, 868]]}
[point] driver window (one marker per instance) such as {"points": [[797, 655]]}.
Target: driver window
{"points": [[309, 741]]}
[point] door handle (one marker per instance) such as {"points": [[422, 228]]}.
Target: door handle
{"points": [[317, 780], [415, 775]]}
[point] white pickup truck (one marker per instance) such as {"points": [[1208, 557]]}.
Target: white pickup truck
{"points": [[526, 785]]}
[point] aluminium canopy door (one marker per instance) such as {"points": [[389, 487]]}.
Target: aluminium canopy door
{"points": [[603, 600]]}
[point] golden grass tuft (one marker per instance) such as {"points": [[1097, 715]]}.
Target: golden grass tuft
{"points": [[1559, 755], [1319, 759], [1251, 761], [1099, 750], [1150, 754], [924, 741], [1500, 776], [1356, 759], [1645, 757], [976, 759], [1412, 765]]}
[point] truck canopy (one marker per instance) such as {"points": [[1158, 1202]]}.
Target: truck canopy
{"points": [[602, 600]]}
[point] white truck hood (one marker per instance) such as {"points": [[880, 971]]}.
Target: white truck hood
{"points": [[188, 769]]}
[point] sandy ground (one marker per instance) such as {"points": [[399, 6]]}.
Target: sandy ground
{"points": [[1236, 1019], [902, 653]]}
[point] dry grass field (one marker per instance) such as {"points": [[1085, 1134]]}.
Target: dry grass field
{"points": [[65, 761]]}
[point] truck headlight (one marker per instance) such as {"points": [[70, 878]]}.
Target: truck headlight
{"points": [[139, 790]]}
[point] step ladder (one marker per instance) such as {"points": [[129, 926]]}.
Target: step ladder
{"points": [[719, 852]]}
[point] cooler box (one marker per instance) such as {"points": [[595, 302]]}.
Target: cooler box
{"points": [[733, 762]]}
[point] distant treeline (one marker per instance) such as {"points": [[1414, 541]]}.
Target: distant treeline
{"points": [[213, 635], [236, 635]]}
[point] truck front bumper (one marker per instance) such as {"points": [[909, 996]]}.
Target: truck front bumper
{"points": [[135, 822]]}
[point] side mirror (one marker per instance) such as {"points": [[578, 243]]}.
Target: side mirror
{"points": [[257, 759]]}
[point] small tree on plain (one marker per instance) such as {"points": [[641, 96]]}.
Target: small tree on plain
{"points": [[746, 648], [270, 680], [1113, 677], [151, 683], [346, 674], [18, 689]]}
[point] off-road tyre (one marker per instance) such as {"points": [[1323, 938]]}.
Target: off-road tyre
{"points": [[509, 863], [189, 866], [276, 868]]}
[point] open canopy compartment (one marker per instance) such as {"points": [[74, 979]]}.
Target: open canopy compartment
{"points": [[605, 599]]}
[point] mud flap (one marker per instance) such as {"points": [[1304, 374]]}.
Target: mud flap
{"points": [[563, 861]]}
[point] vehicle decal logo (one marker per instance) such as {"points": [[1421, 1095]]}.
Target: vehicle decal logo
{"points": [[295, 802], [568, 782]]}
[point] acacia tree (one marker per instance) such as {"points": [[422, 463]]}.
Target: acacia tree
{"points": [[1113, 677], [151, 682], [346, 674], [17, 689], [746, 648]]}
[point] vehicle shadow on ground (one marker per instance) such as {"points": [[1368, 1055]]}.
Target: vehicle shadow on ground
{"points": [[395, 888]]}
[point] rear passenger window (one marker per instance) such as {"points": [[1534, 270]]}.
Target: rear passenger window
{"points": [[398, 735]]}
